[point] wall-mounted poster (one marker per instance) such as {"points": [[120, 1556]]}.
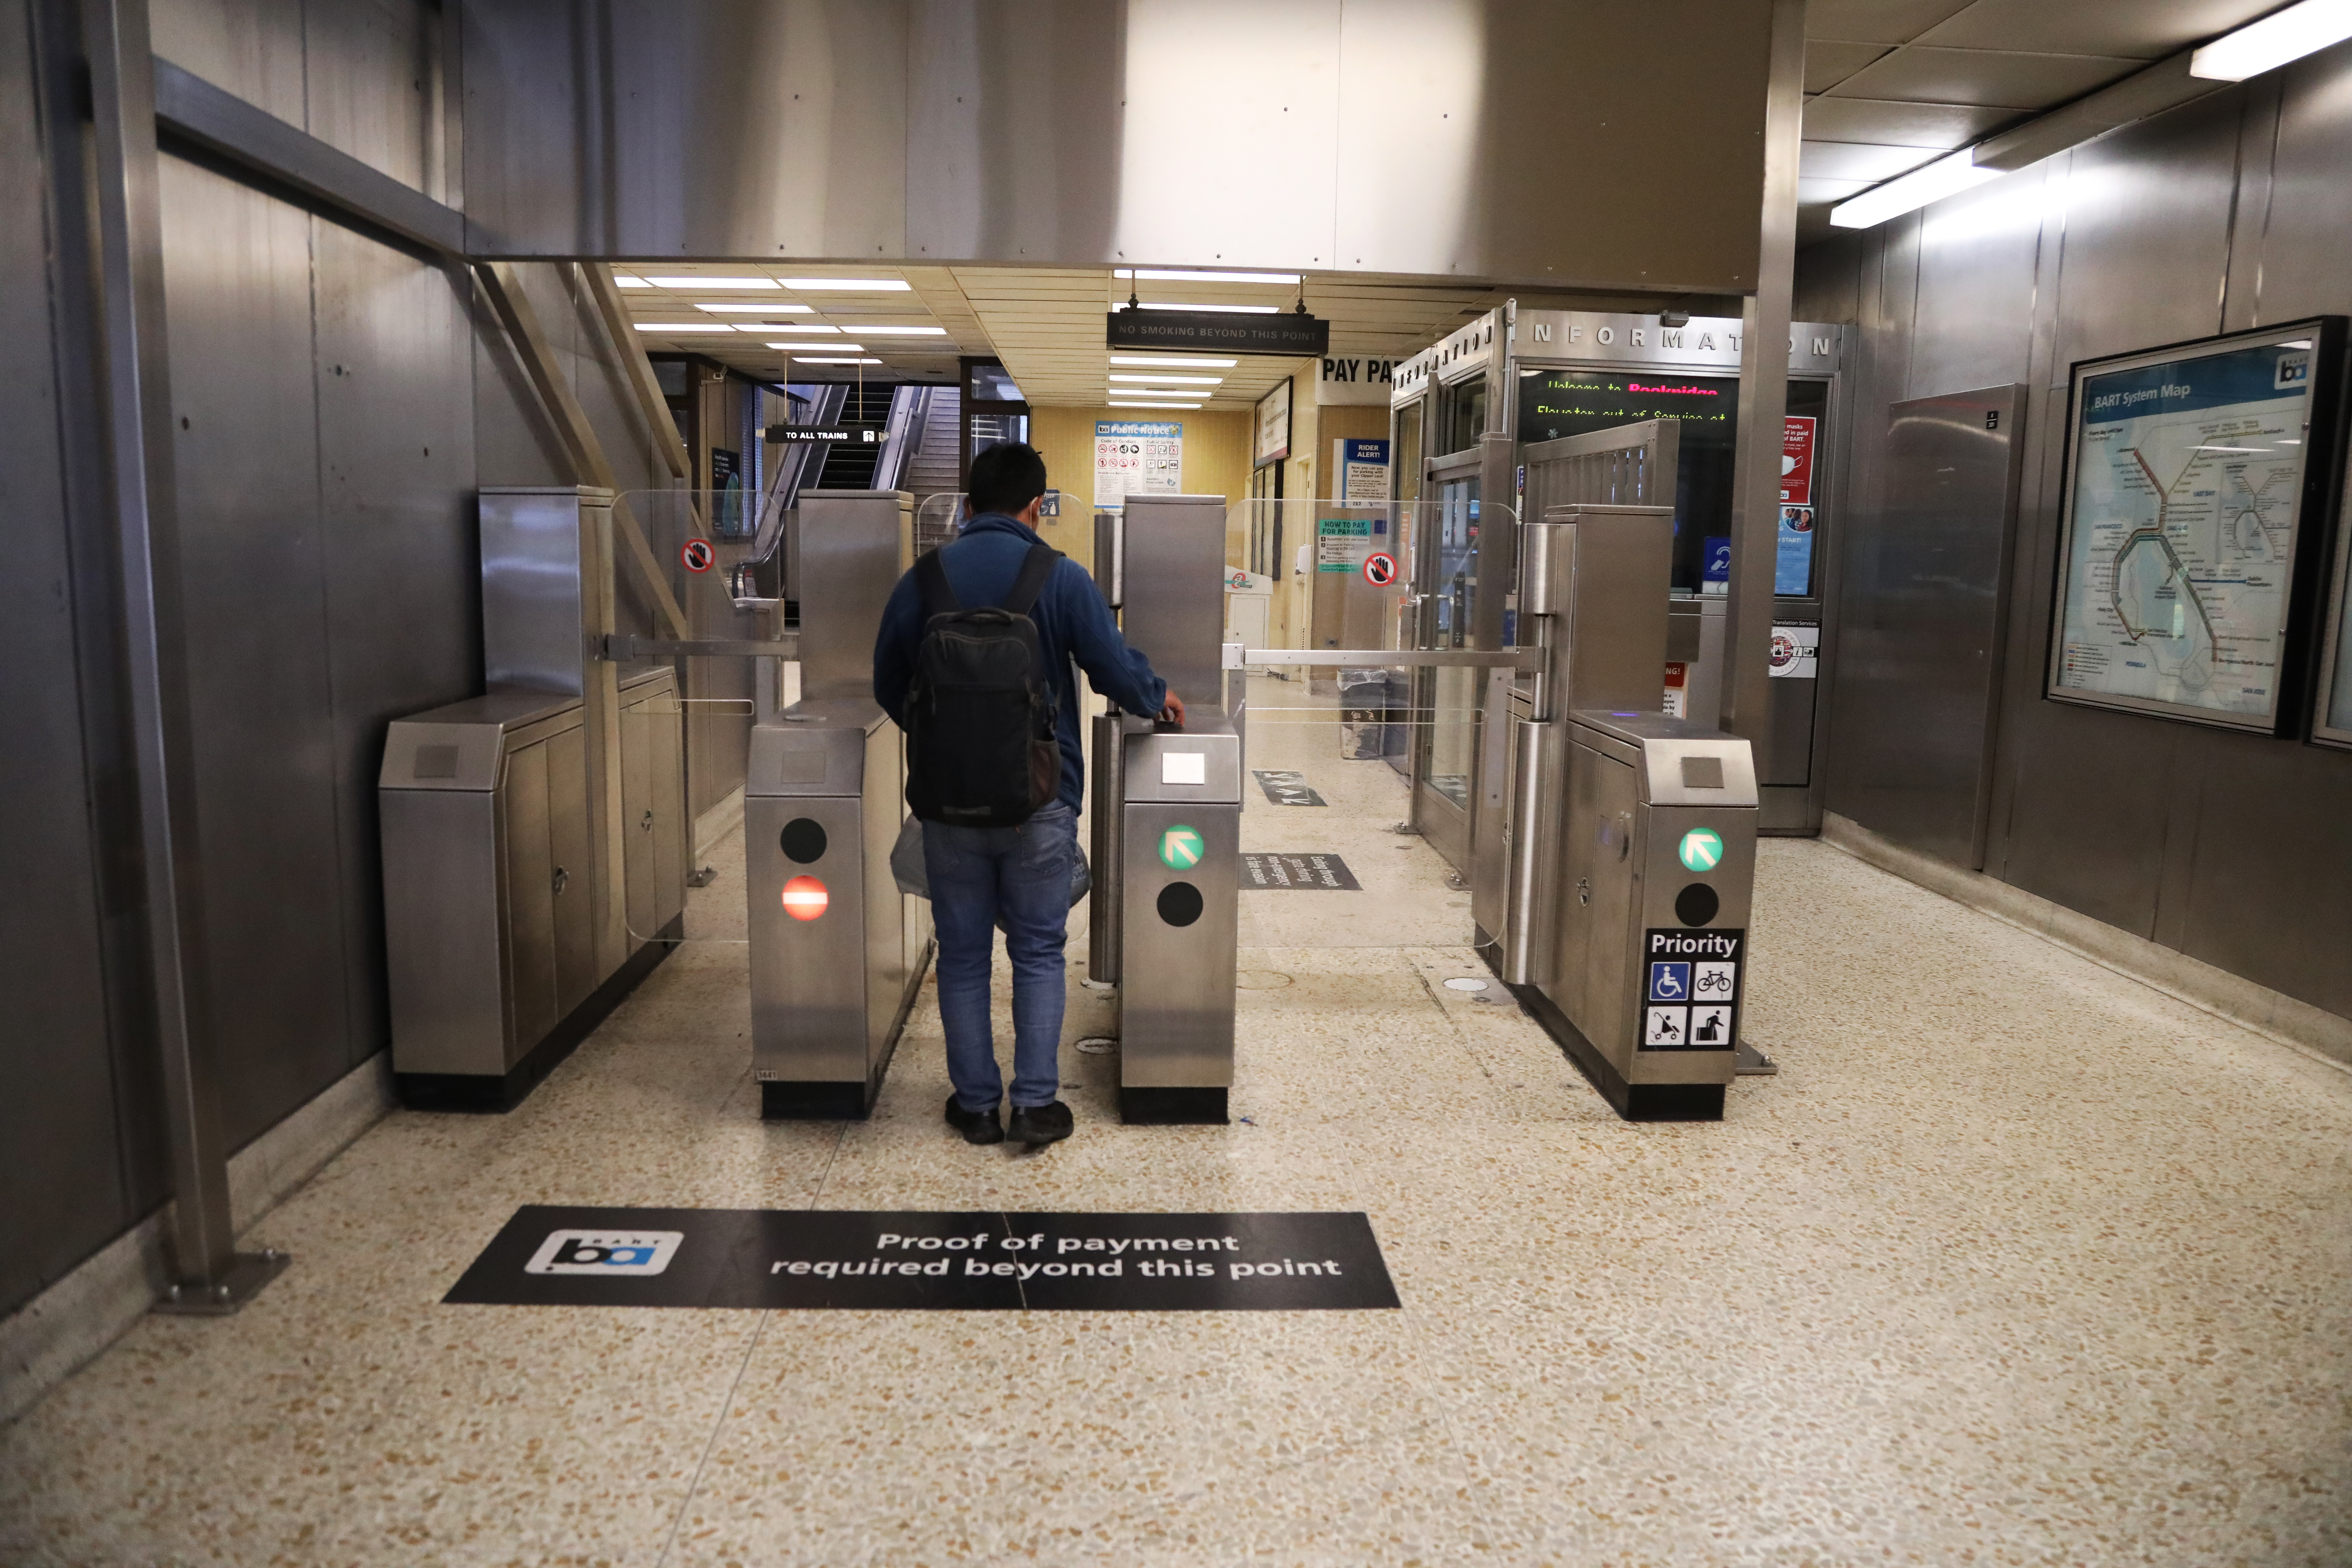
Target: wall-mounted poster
{"points": [[1139, 458], [2195, 480], [1272, 442]]}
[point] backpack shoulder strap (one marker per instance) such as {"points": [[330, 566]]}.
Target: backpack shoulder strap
{"points": [[1037, 571], [931, 580]]}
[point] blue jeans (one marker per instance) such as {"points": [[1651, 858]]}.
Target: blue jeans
{"points": [[1021, 875]]}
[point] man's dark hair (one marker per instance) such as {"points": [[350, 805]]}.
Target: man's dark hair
{"points": [[1005, 477]]}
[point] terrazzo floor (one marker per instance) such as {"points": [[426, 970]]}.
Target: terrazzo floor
{"points": [[2015, 1262]]}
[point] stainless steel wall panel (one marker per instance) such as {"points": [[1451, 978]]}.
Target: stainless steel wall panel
{"points": [[1923, 626], [237, 272], [1015, 128], [59, 1135], [2147, 214], [1057, 131], [2269, 893], [401, 575], [2309, 207], [368, 83], [251, 48], [1976, 261]]}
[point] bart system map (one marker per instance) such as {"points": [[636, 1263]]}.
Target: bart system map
{"points": [[2181, 533]]}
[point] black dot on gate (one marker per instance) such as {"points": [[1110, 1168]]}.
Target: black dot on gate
{"points": [[1180, 903], [804, 841], [1695, 904]]}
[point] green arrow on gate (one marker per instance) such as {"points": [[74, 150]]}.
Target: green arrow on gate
{"points": [[1180, 848], [1701, 849]]}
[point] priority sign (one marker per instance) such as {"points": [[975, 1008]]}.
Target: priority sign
{"points": [[697, 555], [1380, 569]]}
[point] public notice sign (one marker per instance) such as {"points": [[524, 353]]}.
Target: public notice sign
{"points": [[1138, 456], [1289, 333], [1797, 459], [2188, 473], [980, 1261]]}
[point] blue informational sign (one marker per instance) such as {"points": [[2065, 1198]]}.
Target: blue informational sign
{"points": [[1718, 559], [1670, 982], [1373, 452], [1792, 567]]}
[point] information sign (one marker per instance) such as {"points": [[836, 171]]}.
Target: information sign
{"points": [[1795, 653], [983, 1260], [1792, 565], [2189, 475], [1690, 993], [1138, 456], [1797, 459], [1270, 426], [1342, 544], [1299, 873]]}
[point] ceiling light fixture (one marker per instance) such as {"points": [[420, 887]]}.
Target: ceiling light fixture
{"points": [[845, 348], [2281, 36], [1134, 403], [803, 359], [760, 307], [1186, 362], [1944, 177], [1156, 275], [792, 327], [848, 285], [905, 332], [1228, 310], [623, 281], [714, 282], [684, 327], [1172, 380]]}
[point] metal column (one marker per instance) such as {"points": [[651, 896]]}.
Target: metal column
{"points": [[209, 1275]]}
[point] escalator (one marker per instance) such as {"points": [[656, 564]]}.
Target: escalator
{"points": [[851, 465]]}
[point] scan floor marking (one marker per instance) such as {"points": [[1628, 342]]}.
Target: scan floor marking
{"points": [[1299, 873], [980, 1261]]}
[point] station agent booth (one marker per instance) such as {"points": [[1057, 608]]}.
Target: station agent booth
{"points": [[1540, 407]]}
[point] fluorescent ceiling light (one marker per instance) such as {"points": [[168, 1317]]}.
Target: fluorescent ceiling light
{"points": [[1172, 380], [803, 359], [905, 332], [792, 327], [1187, 362], [859, 348], [1229, 309], [1121, 392], [762, 307], [623, 279], [2281, 36], [1151, 275], [1944, 177], [1131, 403], [848, 285], [714, 282], [684, 327]]}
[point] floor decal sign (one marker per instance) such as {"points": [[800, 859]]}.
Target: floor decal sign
{"points": [[1309, 873], [979, 1261]]}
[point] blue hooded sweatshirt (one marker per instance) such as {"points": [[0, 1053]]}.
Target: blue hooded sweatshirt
{"points": [[1072, 624]]}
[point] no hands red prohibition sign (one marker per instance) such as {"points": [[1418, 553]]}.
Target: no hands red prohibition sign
{"points": [[1380, 570], [697, 555]]}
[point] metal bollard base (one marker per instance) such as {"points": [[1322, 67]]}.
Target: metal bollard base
{"points": [[1173, 1107], [1753, 1063], [248, 1273]]}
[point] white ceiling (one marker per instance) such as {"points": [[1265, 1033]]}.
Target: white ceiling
{"points": [[1893, 84]]}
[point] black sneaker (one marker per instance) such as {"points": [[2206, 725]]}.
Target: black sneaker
{"points": [[1039, 1124], [977, 1126]]}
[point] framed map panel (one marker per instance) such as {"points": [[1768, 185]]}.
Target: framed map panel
{"points": [[2199, 480]]}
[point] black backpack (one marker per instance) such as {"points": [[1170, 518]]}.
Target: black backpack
{"points": [[980, 750]]}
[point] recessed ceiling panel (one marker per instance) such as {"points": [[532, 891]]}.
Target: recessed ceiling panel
{"points": [[1828, 64], [2144, 29], [1992, 78], [1945, 125], [1877, 21]]}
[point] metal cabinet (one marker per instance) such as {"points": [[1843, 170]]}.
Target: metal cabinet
{"points": [[490, 895]]}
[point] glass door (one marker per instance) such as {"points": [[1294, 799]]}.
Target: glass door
{"points": [[1446, 748]]}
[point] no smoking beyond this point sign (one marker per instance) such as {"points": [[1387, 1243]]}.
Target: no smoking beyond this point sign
{"points": [[1380, 570], [697, 555]]}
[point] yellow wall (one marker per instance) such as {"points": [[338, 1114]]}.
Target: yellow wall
{"points": [[1216, 463]]}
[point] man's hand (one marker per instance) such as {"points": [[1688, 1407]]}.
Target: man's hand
{"points": [[1174, 713]]}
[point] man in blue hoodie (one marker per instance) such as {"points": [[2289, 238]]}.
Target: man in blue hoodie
{"points": [[1020, 876]]}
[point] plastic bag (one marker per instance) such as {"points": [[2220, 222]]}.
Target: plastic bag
{"points": [[908, 870]]}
